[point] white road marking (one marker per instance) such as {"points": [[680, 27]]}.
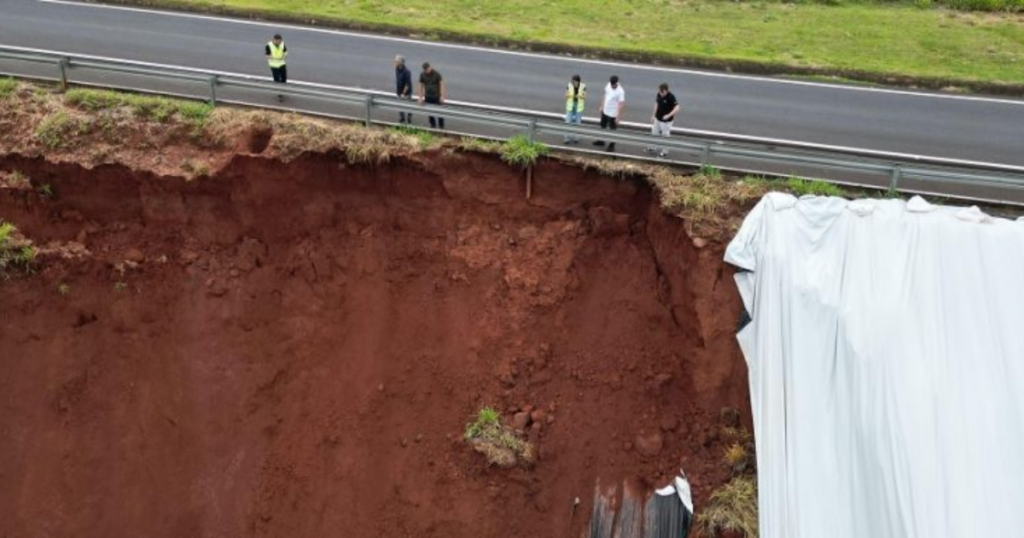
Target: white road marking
{"points": [[542, 56], [513, 110]]}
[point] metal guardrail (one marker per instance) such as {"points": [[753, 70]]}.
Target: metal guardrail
{"points": [[873, 169]]}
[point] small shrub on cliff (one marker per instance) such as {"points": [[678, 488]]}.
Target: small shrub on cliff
{"points": [[710, 171], [499, 444], [58, 130], [731, 509], [93, 100], [521, 151], [737, 457], [15, 251], [194, 112], [816, 187], [195, 169], [7, 86], [485, 418], [16, 180], [6, 232]]}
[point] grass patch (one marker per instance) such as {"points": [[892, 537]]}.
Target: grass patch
{"points": [[469, 143], [731, 509], [424, 137], [499, 444], [15, 251], [195, 169], [487, 417], [815, 187], [158, 109], [977, 5], [7, 86], [16, 180], [699, 197], [58, 130], [908, 37], [711, 204], [360, 145], [521, 151], [710, 171], [739, 457]]}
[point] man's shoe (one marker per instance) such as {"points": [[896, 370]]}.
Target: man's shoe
{"points": [[280, 98], [598, 142], [662, 154]]}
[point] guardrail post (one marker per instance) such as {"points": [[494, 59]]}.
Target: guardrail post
{"points": [[63, 66], [533, 129], [213, 90], [894, 179], [705, 155], [369, 109]]}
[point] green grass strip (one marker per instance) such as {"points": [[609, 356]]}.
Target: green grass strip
{"points": [[897, 38]]}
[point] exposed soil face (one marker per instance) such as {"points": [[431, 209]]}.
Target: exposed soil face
{"points": [[295, 349]]}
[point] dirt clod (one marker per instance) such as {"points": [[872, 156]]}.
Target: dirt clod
{"points": [[729, 417], [521, 420], [650, 445], [134, 255]]}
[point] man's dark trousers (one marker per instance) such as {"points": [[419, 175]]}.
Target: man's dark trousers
{"points": [[439, 123], [280, 73]]}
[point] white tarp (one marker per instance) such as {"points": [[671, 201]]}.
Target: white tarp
{"points": [[886, 359]]}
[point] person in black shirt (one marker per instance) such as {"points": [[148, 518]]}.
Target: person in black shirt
{"points": [[432, 91], [665, 109], [403, 87]]}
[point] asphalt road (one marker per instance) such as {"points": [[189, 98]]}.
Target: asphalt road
{"points": [[971, 128]]}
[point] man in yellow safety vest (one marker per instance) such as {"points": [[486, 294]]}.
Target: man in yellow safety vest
{"points": [[276, 53], [575, 97]]}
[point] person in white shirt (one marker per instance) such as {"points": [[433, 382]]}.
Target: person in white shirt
{"points": [[612, 109]]}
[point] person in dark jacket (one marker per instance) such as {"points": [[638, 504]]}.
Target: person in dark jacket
{"points": [[403, 87]]}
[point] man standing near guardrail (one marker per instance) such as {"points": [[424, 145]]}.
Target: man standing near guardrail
{"points": [[276, 53], [665, 109], [612, 109], [432, 91], [575, 97], [403, 87]]}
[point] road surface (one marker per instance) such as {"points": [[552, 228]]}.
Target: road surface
{"points": [[960, 127]]}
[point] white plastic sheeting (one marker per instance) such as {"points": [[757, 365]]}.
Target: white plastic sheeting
{"points": [[886, 360], [681, 487]]}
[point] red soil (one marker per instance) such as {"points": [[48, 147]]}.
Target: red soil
{"points": [[300, 346]]}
